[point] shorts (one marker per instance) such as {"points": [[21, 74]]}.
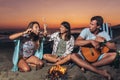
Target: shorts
{"points": [[100, 57]]}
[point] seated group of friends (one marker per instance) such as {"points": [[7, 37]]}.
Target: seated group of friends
{"points": [[91, 42]]}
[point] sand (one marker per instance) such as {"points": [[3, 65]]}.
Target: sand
{"points": [[6, 52]]}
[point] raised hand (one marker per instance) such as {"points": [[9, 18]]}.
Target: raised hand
{"points": [[44, 25], [99, 39], [28, 31], [16, 35], [95, 44]]}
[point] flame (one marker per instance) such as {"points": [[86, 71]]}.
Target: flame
{"points": [[58, 68]]}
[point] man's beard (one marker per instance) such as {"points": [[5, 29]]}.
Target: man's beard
{"points": [[96, 30]]}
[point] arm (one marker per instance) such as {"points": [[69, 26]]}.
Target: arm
{"points": [[81, 42], [17, 35], [45, 30], [110, 45], [45, 26]]}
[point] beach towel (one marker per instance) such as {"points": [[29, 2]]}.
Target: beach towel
{"points": [[16, 55]]}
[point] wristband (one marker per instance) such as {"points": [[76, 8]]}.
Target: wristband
{"points": [[104, 42]]}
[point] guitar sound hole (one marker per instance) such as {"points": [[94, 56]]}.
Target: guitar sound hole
{"points": [[91, 51], [92, 54]]}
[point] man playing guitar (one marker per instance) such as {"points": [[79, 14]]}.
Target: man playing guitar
{"points": [[93, 36]]}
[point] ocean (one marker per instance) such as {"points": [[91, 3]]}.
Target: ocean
{"points": [[4, 34]]}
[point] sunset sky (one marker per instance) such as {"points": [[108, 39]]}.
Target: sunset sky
{"points": [[18, 13]]}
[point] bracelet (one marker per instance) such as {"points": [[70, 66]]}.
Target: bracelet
{"points": [[104, 42]]}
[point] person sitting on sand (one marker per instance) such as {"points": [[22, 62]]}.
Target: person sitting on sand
{"points": [[62, 47], [93, 40], [29, 48]]}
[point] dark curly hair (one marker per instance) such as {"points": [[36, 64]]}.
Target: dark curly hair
{"points": [[99, 20]]}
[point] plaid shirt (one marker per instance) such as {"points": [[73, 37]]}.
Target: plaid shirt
{"points": [[69, 44]]}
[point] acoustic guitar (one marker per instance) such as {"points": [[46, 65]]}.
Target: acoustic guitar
{"points": [[91, 54]]}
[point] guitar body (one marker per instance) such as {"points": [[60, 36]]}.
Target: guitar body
{"points": [[91, 54], [104, 49]]}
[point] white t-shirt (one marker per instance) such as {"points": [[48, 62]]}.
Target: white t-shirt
{"points": [[87, 35]]}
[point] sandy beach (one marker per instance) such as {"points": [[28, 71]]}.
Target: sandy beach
{"points": [[74, 73]]}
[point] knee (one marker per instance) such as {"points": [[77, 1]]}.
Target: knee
{"points": [[44, 56], [113, 55], [73, 55], [68, 57], [27, 69], [41, 63]]}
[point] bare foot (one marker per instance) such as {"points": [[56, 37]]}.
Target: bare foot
{"points": [[50, 64], [83, 69], [107, 75], [38, 67]]}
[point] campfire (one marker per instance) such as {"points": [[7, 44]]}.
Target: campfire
{"points": [[57, 73]]}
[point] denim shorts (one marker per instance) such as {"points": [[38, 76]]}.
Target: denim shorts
{"points": [[100, 57]]}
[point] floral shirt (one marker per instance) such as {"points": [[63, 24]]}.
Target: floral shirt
{"points": [[69, 44], [27, 47]]}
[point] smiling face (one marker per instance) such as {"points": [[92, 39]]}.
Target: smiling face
{"points": [[62, 29], [93, 26], [36, 28]]}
